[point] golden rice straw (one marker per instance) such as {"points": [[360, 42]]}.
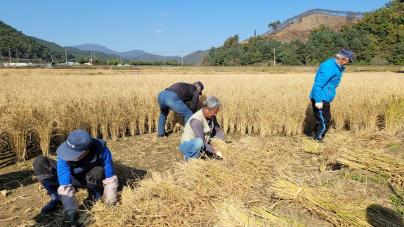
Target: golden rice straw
{"points": [[323, 203]]}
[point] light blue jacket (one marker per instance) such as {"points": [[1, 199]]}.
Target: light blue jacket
{"points": [[327, 79]]}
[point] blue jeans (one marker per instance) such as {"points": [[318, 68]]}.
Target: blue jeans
{"points": [[191, 148], [170, 100]]}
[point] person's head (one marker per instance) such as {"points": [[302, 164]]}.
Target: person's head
{"points": [[344, 57], [199, 86], [76, 146], [210, 107]]}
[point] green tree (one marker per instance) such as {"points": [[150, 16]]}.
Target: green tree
{"points": [[231, 42], [274, 25], [322, 44]]}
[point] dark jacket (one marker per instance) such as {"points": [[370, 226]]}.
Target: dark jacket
{"points": [[186, 92]]}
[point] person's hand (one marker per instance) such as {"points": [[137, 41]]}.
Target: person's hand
{"points": [[219, 154], [110, 189], [319, 105]]}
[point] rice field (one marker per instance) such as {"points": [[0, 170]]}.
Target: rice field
{"points": [[39, 107], [272, 174]]}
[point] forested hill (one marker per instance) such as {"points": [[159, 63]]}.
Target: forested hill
{"points": [[21, 46], [376, 39]]}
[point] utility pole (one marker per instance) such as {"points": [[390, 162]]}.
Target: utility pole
{"points": [[66, 55], [274, 56], [182, 61], [9, 55]]}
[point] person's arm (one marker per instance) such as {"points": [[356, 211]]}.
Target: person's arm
{"points": [[107, 160], [63, 171], [66, 190], [194, 101], [197, 128], [324, 75]]}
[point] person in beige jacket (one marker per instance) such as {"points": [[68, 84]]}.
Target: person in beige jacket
{"points": [[199, 129]]}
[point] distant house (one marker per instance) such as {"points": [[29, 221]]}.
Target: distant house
{"points": [[14, 64]]}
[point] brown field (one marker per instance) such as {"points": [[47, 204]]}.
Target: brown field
{"points": [[271, 175]]}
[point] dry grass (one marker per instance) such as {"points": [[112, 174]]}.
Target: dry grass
{"points": [[254, 186], [338, 210], [195, 193], [366, 151], [113, 104]]}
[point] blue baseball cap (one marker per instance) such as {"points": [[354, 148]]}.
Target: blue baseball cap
{"points": [[348, 54], [76, 144]]}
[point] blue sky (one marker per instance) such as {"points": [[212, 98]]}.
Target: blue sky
{"points": [[167, 27]]}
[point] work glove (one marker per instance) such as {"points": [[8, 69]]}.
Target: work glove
{"points": [[110, 189], [67, 197], [219, 154], [319, 105]]}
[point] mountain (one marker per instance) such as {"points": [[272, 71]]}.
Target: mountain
{"points": [[21, 46], [75, 53], [18, 45], [300, 26], [95, 47], [138, 55], [196, 58]]}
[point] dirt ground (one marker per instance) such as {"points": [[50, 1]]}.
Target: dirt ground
{"points": [[134, 157], [22, 196]]}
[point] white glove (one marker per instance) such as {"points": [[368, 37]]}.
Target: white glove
{"points": [[218, 153], [68, 199], [110, 189], [319, 105]]}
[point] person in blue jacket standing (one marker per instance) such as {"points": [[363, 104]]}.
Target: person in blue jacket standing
{"points": [[83, 162], [324, 88]]}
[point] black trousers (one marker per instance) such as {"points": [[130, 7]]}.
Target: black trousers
{"points": [[46, 172], [323, 119]]}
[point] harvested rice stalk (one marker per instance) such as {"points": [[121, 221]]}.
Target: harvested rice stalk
{"points": [[375, 162], [232, 213], [312, 146], [274, 218], [324, 203]]}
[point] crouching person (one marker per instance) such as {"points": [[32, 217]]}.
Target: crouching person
{"points": [[83, 162], [199, 129]]}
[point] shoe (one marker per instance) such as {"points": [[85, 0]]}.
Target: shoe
{"points": [[52, 205], [318, 140]]}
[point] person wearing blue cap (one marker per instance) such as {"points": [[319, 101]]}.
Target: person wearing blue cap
{"points": [[83, 162], [175, 98], [326, 81]]}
